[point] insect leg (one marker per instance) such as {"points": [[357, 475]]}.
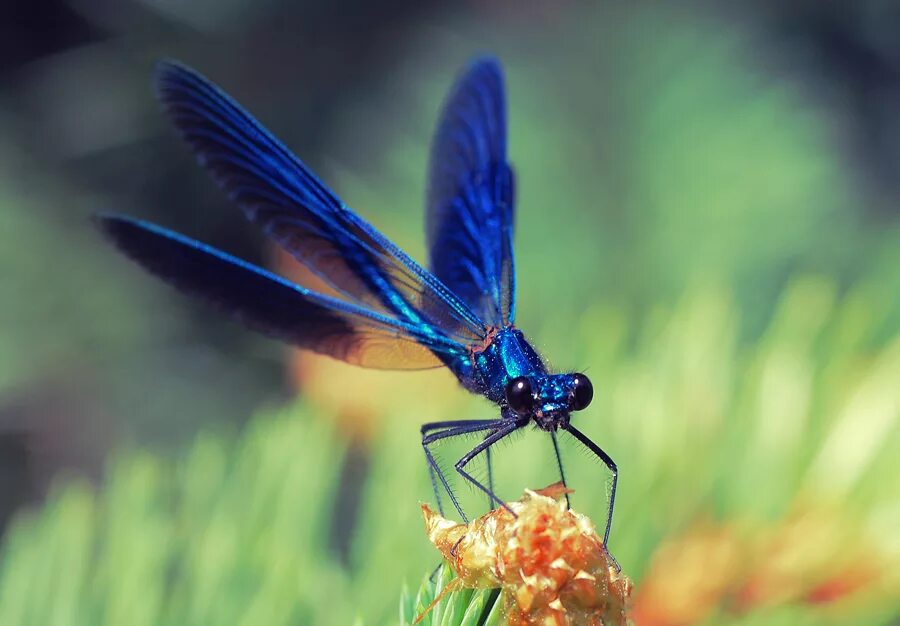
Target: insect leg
{"points": [[445, 430], [490, 477], [593, 447], [562, 474], [502, 431], [428, 427]]}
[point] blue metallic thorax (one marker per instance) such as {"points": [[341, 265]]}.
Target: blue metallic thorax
{"points": [[506, 355]]}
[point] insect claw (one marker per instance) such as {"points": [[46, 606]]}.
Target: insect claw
{"points": [[456, 545]]}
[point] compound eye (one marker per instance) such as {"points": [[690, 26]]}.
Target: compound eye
{"points": [[519, 395], [582, 392]]}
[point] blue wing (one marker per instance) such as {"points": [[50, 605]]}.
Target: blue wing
{"points": [[275, 306], [470, 209], [281, 195]]}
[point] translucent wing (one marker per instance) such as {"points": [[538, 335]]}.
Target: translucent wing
{"points": [[281, 195], [469, 217], [275, 306]]}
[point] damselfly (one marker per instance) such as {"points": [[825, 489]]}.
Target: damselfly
{"points": [[389, 312]]}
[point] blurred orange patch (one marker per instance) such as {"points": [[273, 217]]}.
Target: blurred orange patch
{"points": [[356, 397], [814, 556]]}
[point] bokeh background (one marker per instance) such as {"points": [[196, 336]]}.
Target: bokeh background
{"points": [[708, 224]]}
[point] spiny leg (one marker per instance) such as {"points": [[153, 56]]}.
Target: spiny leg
{"points": [[450, 429], [434, 471], [424, 430], [562, 474], [432, 465], [508, 427], [490, 478], [612, 468]]}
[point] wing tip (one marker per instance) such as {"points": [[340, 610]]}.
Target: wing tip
{"points": [[119, 230], [135, 237], [487, 62], [109, 223], [173, 80], [167, 68]]}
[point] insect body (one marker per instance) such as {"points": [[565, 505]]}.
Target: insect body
{"points": [[390, 312]]}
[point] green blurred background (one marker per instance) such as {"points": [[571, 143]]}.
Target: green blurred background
{"points": [[708, 224]]}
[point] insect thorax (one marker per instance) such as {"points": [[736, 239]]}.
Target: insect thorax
{"points": [[507, 355]]}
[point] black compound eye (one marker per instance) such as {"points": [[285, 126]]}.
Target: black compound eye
{"points": [[519, 395], [582, 392]]}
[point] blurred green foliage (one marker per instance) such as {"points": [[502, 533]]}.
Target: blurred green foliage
{"points": [[654, 151], [692, 230], [240, 531]]}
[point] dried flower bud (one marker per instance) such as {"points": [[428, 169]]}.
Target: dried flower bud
{"points": [[548, 560]]}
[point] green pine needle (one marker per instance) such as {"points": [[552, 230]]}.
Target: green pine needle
{"points": [[240, 530], [462, 607]]}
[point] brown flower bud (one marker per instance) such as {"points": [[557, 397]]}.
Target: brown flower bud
{"points": [[548, 560]]}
